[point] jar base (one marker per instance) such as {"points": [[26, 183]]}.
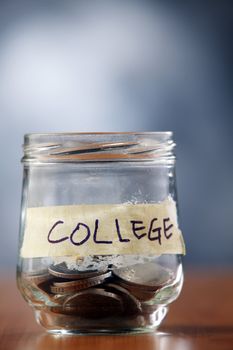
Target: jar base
{"points": [[73, 325]]}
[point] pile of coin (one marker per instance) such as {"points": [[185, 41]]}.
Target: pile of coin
{"points": [[95, 294]]}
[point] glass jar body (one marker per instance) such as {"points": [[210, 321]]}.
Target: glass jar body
{"points": [[98, 292]]}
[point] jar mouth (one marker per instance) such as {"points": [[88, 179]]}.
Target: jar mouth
{"points": [[48, 134], [156, 146]]}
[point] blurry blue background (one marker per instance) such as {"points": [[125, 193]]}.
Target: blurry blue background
{"points": [[125, 66]]}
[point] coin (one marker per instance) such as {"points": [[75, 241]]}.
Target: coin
{"points": [[37, 278], [76, 285], [60, 270], [45, 287], [36, 272], [131, 304], [140, 293], [94, 303], [99, 294], [149, 276], [59, 298]]}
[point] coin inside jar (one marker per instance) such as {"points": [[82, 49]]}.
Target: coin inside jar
{"points": [[149, 276], [95, 303], [37, 278], [60, 270], [131, 304], [76, 285], [140, 293]]}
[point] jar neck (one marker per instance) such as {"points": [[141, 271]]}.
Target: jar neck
{"points": [[156, 147]]}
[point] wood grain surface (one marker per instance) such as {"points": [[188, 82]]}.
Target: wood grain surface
{"points": [[202, 318]]}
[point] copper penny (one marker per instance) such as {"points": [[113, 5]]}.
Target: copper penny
{"points": [[45, 286], [74, 286], [37, 279], [36, 272], [94, 303], [131, 304], [140, 293]]}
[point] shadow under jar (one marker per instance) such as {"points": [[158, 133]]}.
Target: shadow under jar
{"points": [[99, 245]]}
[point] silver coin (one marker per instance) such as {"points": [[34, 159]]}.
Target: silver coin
{"points": [[148, 276], [60, 270]]}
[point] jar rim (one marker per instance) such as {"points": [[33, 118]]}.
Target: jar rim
{"points": [[99, 146], [83, 133]]}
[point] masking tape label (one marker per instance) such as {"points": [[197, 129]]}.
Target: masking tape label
{"points": [[82, 230]]}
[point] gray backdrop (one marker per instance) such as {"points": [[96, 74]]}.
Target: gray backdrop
{"points": [[124, 66]]}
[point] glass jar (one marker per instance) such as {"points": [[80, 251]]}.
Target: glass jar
{"points": [[100, 248]]}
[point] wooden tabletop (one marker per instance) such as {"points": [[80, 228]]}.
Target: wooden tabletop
{"points": [[202, 318]]}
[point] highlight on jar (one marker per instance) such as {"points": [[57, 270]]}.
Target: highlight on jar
{"points": [[100, 245]]}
